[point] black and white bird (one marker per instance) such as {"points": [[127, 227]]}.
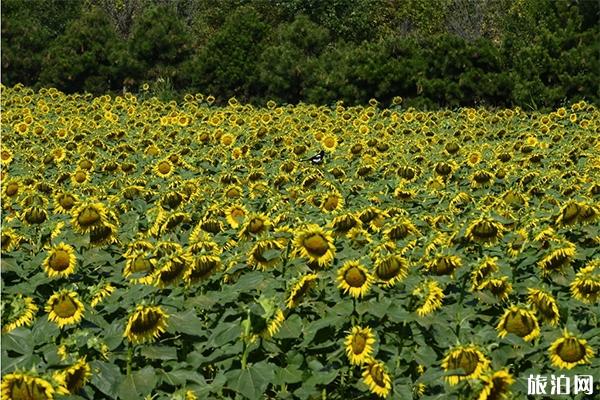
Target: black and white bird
{"points": [[317, 158]]}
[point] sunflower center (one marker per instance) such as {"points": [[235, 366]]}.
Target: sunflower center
{"points": [[445, 266], [164, 167], [145, 322], [75, 380], [67, 201], [465, 360], [571, 350], [237, 213], [12, 189], [65, 308], [378, 375], [202, 269], [233, 192], [141, 264], [256, 225], [80, 177], [316, 244], [60, 260], [518, 323], [485, 230], [359, 342], [355, 277], [570, 212], [5, 155], [88, 217], [331, 203], [388, 268]]}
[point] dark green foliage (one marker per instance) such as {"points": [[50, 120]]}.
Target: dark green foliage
{"points": [[27, 28], [158, 44], [442, 53], [85, 57], [290, 59], [227, 65]]}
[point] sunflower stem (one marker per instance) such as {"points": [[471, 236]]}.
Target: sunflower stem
{"points": [[129, 359]]}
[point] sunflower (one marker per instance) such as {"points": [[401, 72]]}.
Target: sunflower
{"points": [[265, 253], [469, 359], [146, 324], [64, 202], [202, 268], [329, 143], [61, 261], [173, 269], [164, 168], [140, 266], [399, 228], [343, 223], [354, 278], [332, 202], [519, 321], [375, 376], [558, 258], [569, 351], [390, 269], [444, 264], [74, 377], [586, 285], [64, 308], [359, 345], [314, 243], [483, 270], [498, 286], [19, 385], [495, 385], [430, 297], [101, 293], [80, 177], [20, 311], [271, 326], [227, 140], [235, 215], [516, 243], [299, 290], [545, 305], [89, 216], [474, 158], [484, 230], [6, 156], [254, 225]]}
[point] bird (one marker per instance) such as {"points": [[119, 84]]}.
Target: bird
{"points": [[317, 158]]}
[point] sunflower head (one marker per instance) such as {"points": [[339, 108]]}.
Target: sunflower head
{"points": [[74, 377], [519, 321], [146, 324], [316, 244], [355, 279], [61, 261], [569, 351], [484, 230], [464, 362], [545, 305], [19, 385], [586, 285], [299, 290], [391, 269], [64, 308], [359, 345], [18, 311], [376, 377], [496, 385]]}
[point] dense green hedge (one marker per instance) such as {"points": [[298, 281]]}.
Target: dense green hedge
{"points": [[530, 53]]}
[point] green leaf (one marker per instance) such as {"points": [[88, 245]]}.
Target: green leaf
{"points": [[159, 352], [19, 340], [289, 374], [186, 322], [252, 381], [106, 377], [138, 384]]}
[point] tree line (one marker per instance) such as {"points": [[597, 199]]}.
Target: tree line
{"points": [[432, 53]]}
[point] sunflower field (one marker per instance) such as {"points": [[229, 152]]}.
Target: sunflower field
{"points": [[188, 251]]}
